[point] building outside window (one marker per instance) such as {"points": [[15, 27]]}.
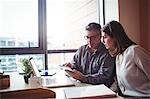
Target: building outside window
{"points": [[2, 43]]}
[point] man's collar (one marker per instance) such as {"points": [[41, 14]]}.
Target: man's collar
{"points": [[94, 50]]}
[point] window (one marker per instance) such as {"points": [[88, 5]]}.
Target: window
{"points": [[2, 43], [48, 30], [3, 59], [66, 21], [18, 23], [11, 63], [58, 59], [11, 43]]}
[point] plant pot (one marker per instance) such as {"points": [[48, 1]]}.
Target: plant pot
{"points": [[26, 77]]}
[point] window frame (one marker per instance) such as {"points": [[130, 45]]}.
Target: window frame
{"points": [[42, 36], [41, 28]]}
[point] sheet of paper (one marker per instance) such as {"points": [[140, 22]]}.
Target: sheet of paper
{"points": [[89, 91], [67, 69]]}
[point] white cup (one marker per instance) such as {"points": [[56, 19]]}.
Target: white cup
{"points": [[35, 82]]}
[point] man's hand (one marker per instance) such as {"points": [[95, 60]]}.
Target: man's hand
{"points": [[68, 65], [76, 75]]}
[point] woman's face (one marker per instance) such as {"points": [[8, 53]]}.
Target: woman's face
{"points": [[108, 41]]}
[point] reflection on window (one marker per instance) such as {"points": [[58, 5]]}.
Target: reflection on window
{"points": [[18, 23]]}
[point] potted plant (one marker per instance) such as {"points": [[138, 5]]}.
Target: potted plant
{"points": [[27, 69]]}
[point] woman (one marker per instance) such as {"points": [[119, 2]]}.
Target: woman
{"points": [[132, 61]]}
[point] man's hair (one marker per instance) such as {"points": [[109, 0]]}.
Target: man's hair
{"points": [[93, 26]]}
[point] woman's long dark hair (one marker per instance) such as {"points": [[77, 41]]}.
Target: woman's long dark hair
{"points": [[115, 30]]}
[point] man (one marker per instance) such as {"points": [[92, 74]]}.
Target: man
{"points": [[92, 63]]}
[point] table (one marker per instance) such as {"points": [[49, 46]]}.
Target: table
{"points": [[17, 83]]}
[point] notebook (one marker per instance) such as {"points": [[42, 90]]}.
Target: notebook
{"points": [[58, 79], [89, 92]]}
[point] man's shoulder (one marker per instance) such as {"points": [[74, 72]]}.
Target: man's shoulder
{"points": [[83, 46], [102, 48], [103, 51]]}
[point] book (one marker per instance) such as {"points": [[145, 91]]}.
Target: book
{"points": [[90, 92]]}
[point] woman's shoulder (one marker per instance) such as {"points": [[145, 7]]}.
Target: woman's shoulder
{"points": [[136, 49], [130, 51], [133, 47]]}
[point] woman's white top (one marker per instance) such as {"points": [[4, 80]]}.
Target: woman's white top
{"points": [[133, 71]]}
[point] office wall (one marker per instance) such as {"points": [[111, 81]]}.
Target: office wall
{"points": [[144, 23], [149, 25], [134, 15]]}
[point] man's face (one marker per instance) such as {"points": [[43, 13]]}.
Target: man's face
{"points": [[93, 39]]}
